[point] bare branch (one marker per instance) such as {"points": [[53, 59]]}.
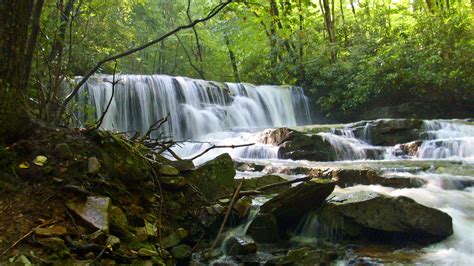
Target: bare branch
{"points": [[91, 72], [220, 146], [155, 126], [114, 82]]}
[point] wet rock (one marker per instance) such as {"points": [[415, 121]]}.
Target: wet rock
{"points": [[372, 216], [388, 132], [55, 230], [93, 165], [242, 206], [251, 167], [239, 245], [305, 256], [291, 205], [64, 151], [172, 182], [275, 136], [174, 238], [264, 228], [215, 178], [113, 241], [181, 252], [257, 182], [410, 148], [168, 170], [352, 177], [305, 147], [95, 211], [182, 165]]}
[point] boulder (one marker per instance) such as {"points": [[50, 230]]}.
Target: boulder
{"points": [[63, 151], [239, 245], [215, 178], [174, 238], [257, 182], [275, 136], [352, 177], [93, 165], [306, 147], [388, 132], [118, 222], [172, 182], [182, 165], [181, 252], [94, 211], [167, 170], [375, 217], [291, 205], [264, 228], [305, 256]]}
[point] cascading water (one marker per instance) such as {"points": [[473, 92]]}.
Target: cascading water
{"points": [[212, 113], [196, 107]]}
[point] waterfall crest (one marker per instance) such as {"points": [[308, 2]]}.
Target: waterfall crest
{"points": [[196, 107]]}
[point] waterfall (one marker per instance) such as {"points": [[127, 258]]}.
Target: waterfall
{"points": [[447, 140], [196, 107]]}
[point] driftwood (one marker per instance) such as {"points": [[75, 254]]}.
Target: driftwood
{"points": [[219, 147]]}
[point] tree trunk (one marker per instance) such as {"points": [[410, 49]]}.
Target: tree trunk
{"points": [[14, 18], [329, 21], [232, 58]]}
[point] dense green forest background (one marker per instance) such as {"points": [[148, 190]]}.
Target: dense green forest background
{"points": [[349, 55]]}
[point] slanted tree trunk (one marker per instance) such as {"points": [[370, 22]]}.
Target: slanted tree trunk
{"points": [[14, 20], [329, 22], [232, 58]]}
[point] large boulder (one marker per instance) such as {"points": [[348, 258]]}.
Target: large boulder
{"points": [[215, 178], [258, 182], [352, 177], [95, 211], [388, 132], [374, 217], [291, 205]]}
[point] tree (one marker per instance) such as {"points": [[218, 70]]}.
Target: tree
{"points": [[15, 17]]}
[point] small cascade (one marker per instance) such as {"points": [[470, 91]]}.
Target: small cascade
{"points": [[196, 107], [348, 147], [447, 140], [310, 230]]}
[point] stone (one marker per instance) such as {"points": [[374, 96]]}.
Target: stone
{"points": [[181, 252], [242, 206], [239, 245], [257, 182], [113, 241], [95, 211], [168, 170], [93, 165], [275, 136], [214, 178], [64, 151], [388, 132], [299, 146], [55, 230], [118, 222], [182, 165], [174, 238], [143, 252], [352, 177], [291, 205], [374, 217], [264, 228], [305, 256], [172, 182], [53, 243]]}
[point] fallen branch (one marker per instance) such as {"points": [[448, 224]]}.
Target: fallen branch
{"points": [[220, 146], [153, 127], [28, 234], [262, 189], [229, 210]]}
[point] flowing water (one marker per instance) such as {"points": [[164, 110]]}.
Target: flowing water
{"points": [[204, 113]]}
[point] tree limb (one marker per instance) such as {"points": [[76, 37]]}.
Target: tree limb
{"points": [[91, 72], [220, 146]]}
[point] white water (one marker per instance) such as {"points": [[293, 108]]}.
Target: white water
{"points": [[211, 113]]}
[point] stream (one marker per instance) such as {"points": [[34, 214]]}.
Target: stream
{"points": [[206, 113]]}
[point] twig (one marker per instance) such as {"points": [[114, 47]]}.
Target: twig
{"points": [[220, 146], [229, 210], [153, 127], [28, 234], [6, 208], [114, 83], [91, 72]]}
